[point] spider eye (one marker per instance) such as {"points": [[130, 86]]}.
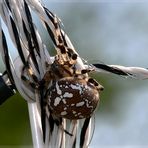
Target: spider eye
{"points": [[74, 56]]}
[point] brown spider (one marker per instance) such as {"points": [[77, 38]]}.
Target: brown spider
{"points": [[69, 93]]}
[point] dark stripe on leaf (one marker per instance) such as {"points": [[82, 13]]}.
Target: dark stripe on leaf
{"points": [[51, 123], [7, 2], [43, 112], [30, 47], [7, 58], [31, 26], [17, 40], [83, 132], [51, 34], [111, 69], [49, 14], [74, 143], [64, 40]]}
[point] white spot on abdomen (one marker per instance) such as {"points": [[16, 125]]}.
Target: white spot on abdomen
{"points": [[80, 104], [57, 101], [59, 92], [65, 108], [76, 87], [68, 95], [74, 112], [63, 113], [87, 104], [64, 101]]}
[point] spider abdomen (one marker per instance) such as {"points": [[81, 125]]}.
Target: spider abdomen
{"points": [[73, 98]]}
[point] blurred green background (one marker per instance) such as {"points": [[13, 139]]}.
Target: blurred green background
{"points": [[111, 32]]}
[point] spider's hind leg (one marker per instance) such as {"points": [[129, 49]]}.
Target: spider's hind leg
{"points": [[59, 124]]}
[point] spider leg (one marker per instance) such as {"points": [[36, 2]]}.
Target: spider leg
{"points": [[28, 82], [66, 55], [29, 77], [59, 124], [57, 121], [82, 72], [95, 83]]}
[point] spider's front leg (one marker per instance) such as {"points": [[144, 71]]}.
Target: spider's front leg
{"points": [[29, 78]]}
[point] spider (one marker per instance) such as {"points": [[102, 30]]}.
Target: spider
{"points": [[69, 93]]}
